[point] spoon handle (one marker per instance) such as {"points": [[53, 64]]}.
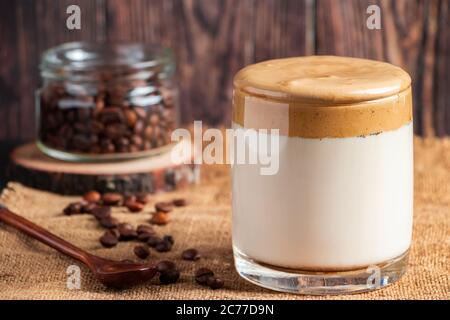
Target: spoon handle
{"points": [[43, 235]]}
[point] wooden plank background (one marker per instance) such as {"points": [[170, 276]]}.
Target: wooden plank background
{"points": [[214, 38]]}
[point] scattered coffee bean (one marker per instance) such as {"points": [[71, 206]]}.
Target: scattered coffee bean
{"points": [[153, 241], [101, 212], [112, 199], [88, 207], [115, 232], [143, 198], [165, 265], [145, 228], [179, 202], [141, 252], [92, 196], [127, 232], [130, 198], [109, 222], [169, 238], [160, 218], [144, 236], [134, 206], [202, 275], [74, 208], [215, 283], [109, 239], [163, 246], [164, 207], [190, 254], [169, 276]]}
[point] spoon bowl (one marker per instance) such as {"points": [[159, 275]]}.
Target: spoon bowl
{"points": [[119, 275]]}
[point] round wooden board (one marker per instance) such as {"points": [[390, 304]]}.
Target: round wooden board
{"points": [[32, 168]]}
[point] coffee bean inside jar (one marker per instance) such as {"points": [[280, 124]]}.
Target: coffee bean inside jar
{"points": [[106, 101]]}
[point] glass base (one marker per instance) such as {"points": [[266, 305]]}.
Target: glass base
{"points": [[85, 157], [321, 283]]}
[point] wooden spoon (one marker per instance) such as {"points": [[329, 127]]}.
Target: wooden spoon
{"points": [[110, 273]]}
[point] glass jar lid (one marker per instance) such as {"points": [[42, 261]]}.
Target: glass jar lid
{"points": [[82, 60]]}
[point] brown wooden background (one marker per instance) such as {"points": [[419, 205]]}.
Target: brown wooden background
{"points": [[214, 38]]}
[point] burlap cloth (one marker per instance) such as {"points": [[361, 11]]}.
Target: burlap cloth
{"points": [[30, 270]]}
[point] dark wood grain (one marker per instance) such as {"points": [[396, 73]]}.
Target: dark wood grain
{"points": [[441, 88], [212, 39]]}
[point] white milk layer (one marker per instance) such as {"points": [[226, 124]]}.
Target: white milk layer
{"points": [[335, 203]]}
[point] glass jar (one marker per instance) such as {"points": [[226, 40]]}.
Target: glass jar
{"points": [[106, 102], [326, 204]]}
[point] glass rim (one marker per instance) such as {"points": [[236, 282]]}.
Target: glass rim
{"points": [[86, 57]]}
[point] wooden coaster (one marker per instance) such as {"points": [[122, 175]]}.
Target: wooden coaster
{"points": [[157, 173]]}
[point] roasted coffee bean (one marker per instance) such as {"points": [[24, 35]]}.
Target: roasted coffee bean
{"points": [[127, 232], [164, 207], [169, 276], [122, 142], [154, 119], [80, 142], [190, 254], [75, 122], [115, 232], [163, 246], [145, 228], [81, 127], [144, 237], [169, 238], [165, 265], [109, 222], [111, 115], [112, 199], [202, 275], [148, 133], [92, 196], [147, 145], [137, 141], [115, 131], [74, 208], [109, 239], [143, 198], [179, 202], [129, 198], [160, 218], [101, 212], [215, 283], [153, 241], [88, 207], [139, 127], [134, 206], [107, 146], [141, 252], [131, 117]]}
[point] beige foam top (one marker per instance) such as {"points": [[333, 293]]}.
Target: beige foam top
{"points": [[322, 96]]}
